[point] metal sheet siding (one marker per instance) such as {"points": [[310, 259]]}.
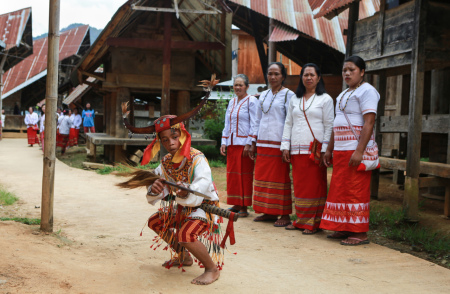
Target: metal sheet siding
{"points": [[12, 27], [69, 44], [326, 7]]}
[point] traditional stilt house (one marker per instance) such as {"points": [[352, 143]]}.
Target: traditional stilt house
{"points": [[153, 54], [407, 50]]}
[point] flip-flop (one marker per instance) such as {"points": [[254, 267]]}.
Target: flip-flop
{"points": [[361, 242], [337, 235], [293, 228], [315, 231], [263, 218], [243, 214], [282, 225]]}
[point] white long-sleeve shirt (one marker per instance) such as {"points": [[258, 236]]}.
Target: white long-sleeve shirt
{"points": [[31, 118], [64, 126], [297, 135], [271, 124], [42, 123], [76, 121], [240, 121], [201, 182]]}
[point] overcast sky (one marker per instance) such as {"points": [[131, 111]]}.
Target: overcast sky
{"points": [[95, 13]]}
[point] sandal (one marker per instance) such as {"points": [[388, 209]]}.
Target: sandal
{"points": [[266, 218], [233, 210], [281, 223], [360, 241], [338, 235], [243, 214], [309, 232], [291, 227]]}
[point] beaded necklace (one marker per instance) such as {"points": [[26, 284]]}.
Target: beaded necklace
{"points": [[273, 99], [348, 98], [303, 99]]}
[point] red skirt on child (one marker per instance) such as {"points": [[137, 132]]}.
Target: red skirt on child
{"points": [[32, 135], [272, 185], [239, 177], [310, 191], [347, 206]]}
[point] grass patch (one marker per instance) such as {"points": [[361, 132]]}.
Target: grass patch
{"points": [[216, 163], [392, 225], [123, 168], [7, 198], [24, 220]]}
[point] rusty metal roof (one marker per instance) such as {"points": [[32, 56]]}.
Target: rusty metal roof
{"points": [[282, 33], [79, 91], [331, 8], [15, 36], [298, 14], [35, 66]]}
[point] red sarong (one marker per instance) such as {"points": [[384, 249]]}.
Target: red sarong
{"points": [[347, 206], [239, 177], [272, 185], [32, 136], [189, 231], [73, 137], [42, 135], [63, 140], [310, 191]]}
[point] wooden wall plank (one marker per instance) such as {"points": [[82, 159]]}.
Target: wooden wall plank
{"points": [[438, 123]]}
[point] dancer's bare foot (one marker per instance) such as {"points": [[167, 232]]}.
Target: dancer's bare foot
{"points": [[188, 261], [208, 277]]}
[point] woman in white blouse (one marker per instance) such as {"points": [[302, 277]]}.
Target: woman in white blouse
{"points": [[237, 136], [76, 120], [310, 115], [31, 120], [347, 208], [272, 185]]}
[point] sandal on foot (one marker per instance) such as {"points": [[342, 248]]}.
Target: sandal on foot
{"points": [[338, 235], [291, 227], [233, 210], [309, 232], [266, 218], [282, 223], [242, 214], [360, 241]]}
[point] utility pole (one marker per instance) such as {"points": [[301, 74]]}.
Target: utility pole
{"points": [[2, 64], [51, 99]]}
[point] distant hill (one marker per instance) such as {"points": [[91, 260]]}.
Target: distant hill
{"points": [[94, 32]]}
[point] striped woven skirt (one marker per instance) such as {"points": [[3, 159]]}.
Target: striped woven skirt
{"points": [[272, 184], [347, 206], [310, 191], [73, 137], [32, 136], [239, 177]]}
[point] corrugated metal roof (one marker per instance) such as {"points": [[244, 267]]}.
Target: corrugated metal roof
{"points": [[12, 26], [331, 8], [79, 91], [283, 33], [69, 44], [298, 14]]}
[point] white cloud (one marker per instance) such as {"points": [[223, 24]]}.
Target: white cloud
{"points": [[96, 13]]}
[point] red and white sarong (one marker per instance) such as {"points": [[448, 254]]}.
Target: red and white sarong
{"points": [[32, 136], [310, 191], [347, 206], [272, 185], [239, 177], [73, 136], [189, 231]]}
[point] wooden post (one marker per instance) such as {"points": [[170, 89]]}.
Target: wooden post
{"points": [[2, 64], [165, 95], [353, 16], [375, 180], [183, 102], [123, 95], [272, 45], [51, 99], [380, 29], [112, 122], [411, 198]]}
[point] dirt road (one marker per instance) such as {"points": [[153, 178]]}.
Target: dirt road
{"points": [[103, 252]]}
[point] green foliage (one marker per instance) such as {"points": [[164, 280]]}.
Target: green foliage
{"points": [[217, 163], [7, 198], [392, 225], [215, 117], [27, 221], [123, 168], [211, 153]]}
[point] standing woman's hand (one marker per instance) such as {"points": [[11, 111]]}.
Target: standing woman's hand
{"points": [[326, 158], [252, 151], [356, 158], [246, 150], [223, 150], [286, 156], [321, 159]]}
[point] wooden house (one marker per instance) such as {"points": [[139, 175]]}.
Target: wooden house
{"points": [[406, 47], [156, 52]]}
